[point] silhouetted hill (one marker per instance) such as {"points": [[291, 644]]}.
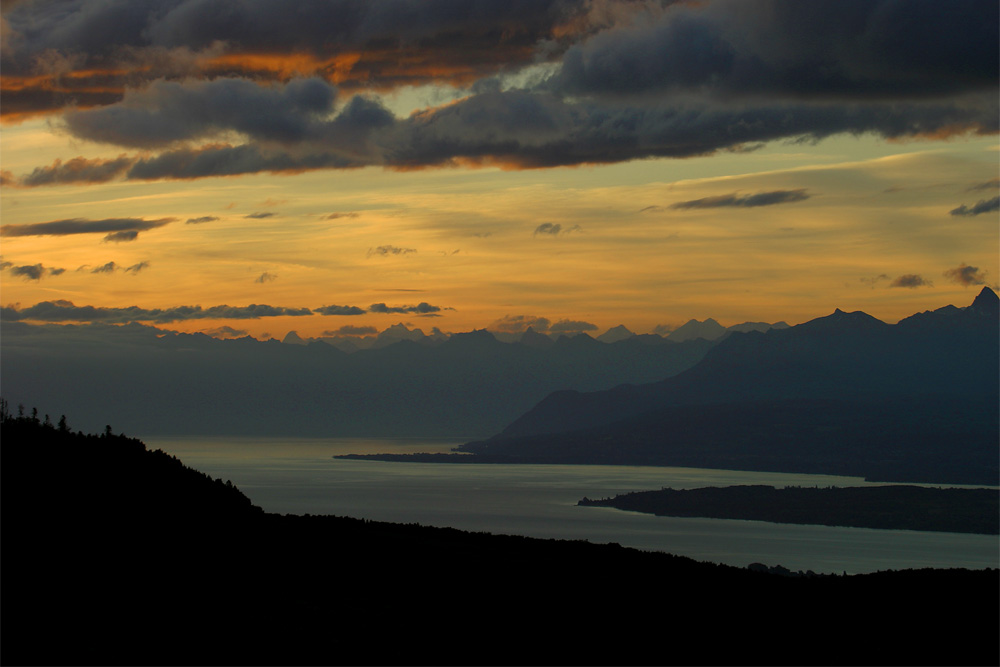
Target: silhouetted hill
{"points": [[843, 394], [99, 568]]}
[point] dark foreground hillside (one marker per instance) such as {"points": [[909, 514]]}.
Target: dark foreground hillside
{"points": [[113, 554]]}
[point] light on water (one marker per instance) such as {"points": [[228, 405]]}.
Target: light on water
{"points": [[299, 476]]}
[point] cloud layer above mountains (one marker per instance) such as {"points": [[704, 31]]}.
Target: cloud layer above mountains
{"points": [[191, 89]]}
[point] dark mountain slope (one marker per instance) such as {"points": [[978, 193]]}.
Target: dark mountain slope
{"points": [[99, 567], [844, 394]]}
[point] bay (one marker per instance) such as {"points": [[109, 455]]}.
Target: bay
{"points": [[300, 476]]}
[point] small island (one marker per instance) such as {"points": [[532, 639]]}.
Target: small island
{"points": [[901, 507]]}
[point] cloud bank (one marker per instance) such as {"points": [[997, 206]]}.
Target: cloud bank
{"points": [[195, 89]]}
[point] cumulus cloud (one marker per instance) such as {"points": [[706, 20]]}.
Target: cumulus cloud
{"points": [[966, 275], [745, 201], [136, 268], [664, 329], [910, 280], [109, 226], [265, 278], [340, 310], [571, 327], [624, 80], [519, 324], [386, 250], [105, 268], [980, 207], [65, 311]]}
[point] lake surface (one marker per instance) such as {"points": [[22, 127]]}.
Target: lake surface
{"points": [[300, 476]]}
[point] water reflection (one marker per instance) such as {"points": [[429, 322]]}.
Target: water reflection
{"points": [[301, 476]]}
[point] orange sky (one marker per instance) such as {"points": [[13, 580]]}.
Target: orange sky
{"points": [[640, 212]]}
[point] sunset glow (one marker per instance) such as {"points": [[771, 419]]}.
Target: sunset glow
{"points": [[559, 160]]}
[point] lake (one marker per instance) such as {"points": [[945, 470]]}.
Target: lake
{"points": [[300, 476]]}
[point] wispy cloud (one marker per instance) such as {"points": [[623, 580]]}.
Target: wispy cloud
{"points": [[423, 309], [554, 229], [340, 310], [201, 220], [980, 207], [387, 250], [910, 280], [966, 275], [66, 311], [71, 226], [745, 201]]}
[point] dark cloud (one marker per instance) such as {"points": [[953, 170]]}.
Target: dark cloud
{"points": [[687, 79], [910, 280], [350, 330], [386, 250], [852, 50], [78, 170], [66, 311], [336, 216], [266, 278], [966, 275], [981, 206], [519, 324], [554, 229], [203, 219], [340, 310], [119, 237], [259, 216], [745, 201], [28, 272], [991, 184], [136, 268], [110, 267], [423, 308], [84, 226], [384, 44]]}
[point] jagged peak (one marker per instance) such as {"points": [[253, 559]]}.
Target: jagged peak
{"points": [[987, 302]]}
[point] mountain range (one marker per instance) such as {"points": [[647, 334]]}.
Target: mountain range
{"points": [[464, 385], [842, 394]]}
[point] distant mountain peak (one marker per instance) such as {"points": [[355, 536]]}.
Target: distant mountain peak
{"points": [[987, 303], [293, 338], [839, 319], [692, 329], [615, 334]]}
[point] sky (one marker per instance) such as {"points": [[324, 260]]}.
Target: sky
{"points": [[336, 167]]}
